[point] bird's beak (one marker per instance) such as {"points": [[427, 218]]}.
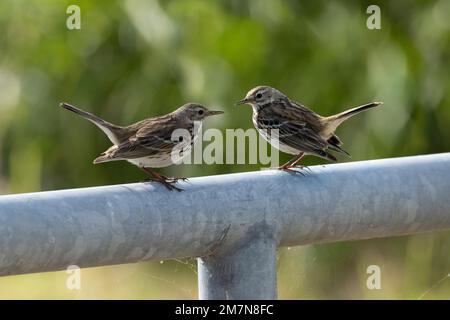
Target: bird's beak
{"points": [[243, 101], [213, 113]]}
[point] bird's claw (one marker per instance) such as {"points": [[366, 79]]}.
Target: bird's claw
{"points": [[291, 169], [304, 168], [167, 182], [170, 186], [175, 179]]}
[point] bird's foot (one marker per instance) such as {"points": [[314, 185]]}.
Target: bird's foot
{"points": [[170, 185], [175, 179], [302, 167], [167, 182], [292, 169]]}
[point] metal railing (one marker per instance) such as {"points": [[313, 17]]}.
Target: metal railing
{"points": [[233, 223]]}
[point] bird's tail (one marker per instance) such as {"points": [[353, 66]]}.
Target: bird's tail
{"points": [[113, 132], [334, 121], [104, 158], [325, 155], [101, 159]]}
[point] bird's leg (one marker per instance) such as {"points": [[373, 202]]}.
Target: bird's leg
{"points": [[165, 181], [300, 166], [286, 165], [291, 164], [297, 159], [150, 176]]}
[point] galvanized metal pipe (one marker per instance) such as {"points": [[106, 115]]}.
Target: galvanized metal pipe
{"points": [[88, 227]]}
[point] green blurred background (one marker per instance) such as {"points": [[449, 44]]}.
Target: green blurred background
{"points": [[133, 59]]}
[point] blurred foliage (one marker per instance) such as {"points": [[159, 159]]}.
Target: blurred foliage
{"points": [[133, 59]]}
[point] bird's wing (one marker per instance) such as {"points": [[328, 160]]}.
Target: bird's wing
{"points": [[296, 135], [294, 129], [153, 137]]}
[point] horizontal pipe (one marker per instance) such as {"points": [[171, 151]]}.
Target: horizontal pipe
{"points": [[48, 231]]}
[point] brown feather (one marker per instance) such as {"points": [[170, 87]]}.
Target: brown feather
{"points": [[298, 129]]}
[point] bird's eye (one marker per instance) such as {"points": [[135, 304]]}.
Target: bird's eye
{"points": [[259, 96], [200, 112]]}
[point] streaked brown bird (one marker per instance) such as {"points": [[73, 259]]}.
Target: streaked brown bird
{"points": [[295, 129], [154, 142]]}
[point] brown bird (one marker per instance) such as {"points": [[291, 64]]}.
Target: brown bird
{"points": [[154, 142], [295, 129]]}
